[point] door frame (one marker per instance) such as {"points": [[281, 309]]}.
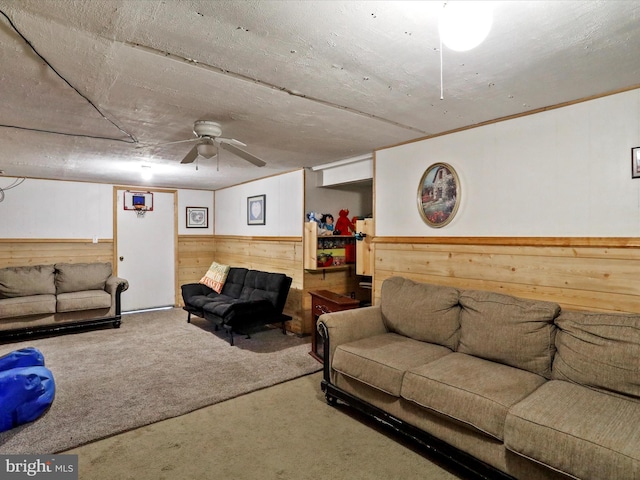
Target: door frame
{"points": [[176, 286]]}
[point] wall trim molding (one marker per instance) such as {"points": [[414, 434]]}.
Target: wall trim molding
{"points": [[617, 242], [258, 239], [209, 236], [54, 240]]}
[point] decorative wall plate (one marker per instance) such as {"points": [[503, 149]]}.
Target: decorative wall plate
{"points": [[438, 195]]}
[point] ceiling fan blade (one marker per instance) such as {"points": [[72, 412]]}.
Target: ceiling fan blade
{"points": [[191, 156], [242, 154], [231, 141]]}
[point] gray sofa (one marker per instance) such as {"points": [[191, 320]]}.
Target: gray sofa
{"points": [[47, 298], [499, 385]]}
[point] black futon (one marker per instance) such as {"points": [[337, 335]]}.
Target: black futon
{"points": [[248, 299]]}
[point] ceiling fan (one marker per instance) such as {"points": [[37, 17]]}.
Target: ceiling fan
{"points": [[208, 137]]}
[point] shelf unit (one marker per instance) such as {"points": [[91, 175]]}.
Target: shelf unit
{"points": [[341, 249]]}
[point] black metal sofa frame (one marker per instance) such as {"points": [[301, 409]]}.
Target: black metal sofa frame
{"points": [[248, 299], [20, 334]]}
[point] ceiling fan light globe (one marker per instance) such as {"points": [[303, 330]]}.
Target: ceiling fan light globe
{"points": [[207, 150]]}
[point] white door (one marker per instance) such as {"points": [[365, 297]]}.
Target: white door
{"points": [[145, 253]]}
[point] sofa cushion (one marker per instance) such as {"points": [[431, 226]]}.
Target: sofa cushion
{"points": [[214, 298], [380, 361], [577, 430], [29, 305], [599, 350], [199, 301], [24, 281], [510, 330], [76, 277], [235, 281], [216, 276], [219, 308], [263, 286], [85, 300], [469, 389], [425, 312]]}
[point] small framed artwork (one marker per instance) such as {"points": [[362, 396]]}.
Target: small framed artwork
{"points": [[197, 217], [438, 195], [635, 162], [256, 210]]}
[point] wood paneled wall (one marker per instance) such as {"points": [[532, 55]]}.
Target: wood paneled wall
{"points": [[285, 255], [195, 254], [17, 252], [578, 273], [270, 254]]}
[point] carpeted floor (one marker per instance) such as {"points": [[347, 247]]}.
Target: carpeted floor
{"points": [[285, 432], [156, 366]]}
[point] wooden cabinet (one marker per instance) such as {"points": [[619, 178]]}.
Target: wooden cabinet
{"points": [[364, 248], [327, 252], [325, 301]]}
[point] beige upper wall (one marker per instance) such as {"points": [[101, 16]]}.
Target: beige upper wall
{"points": [[284, 202], [562, 172], [55, 209]]}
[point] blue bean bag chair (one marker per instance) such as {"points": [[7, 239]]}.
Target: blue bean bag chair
{"points": [[27, 388]]}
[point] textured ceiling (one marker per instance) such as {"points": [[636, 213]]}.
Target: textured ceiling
{"points": [[302, 83]]}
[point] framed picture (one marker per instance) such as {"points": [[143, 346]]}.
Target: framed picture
{"points": [[635, 162], [256, 210], [197, 217], [438, 195]]}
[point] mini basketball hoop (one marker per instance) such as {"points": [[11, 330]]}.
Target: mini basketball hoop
{"points": [[140, 210], [140, 202]]}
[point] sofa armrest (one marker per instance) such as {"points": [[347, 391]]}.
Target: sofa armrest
{"points": [[193, 289], [114, 287], [350, 325], [113, 282]]}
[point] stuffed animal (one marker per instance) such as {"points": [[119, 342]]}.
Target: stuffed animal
{"points": [[344, 225], [313, 217], [327, 222]]}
